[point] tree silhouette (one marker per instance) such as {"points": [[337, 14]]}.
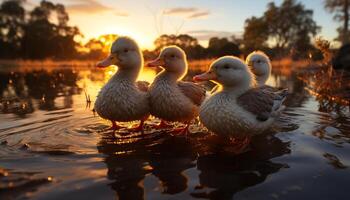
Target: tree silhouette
{"points": [[188, 43], [99, 47], [289, 23], [283, 26], [40, 33], [341, 8], [56, 39], [12, 19], [222, 46], [255, 34]]}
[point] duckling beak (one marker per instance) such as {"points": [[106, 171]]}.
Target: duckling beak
{"points": [[156, 63], [106, 62], [205, 77]]}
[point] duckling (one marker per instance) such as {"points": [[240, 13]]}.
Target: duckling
{"points": [[240, 109], [170, 98], [260, 65], [123, 99]]}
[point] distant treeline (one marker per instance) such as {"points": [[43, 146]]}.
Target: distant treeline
{"points": [[32, 35], [44, 33]]}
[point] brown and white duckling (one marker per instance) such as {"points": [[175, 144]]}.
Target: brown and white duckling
{"points": [[123, 99], [240, 109], [170, 98]]}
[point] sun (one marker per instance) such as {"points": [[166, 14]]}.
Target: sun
{"points": [[144, 41]]}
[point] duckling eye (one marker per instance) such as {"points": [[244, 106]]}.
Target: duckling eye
{"points": [[226, 67], [126, 50]]}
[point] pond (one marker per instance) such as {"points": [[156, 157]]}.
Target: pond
{"points": [[54, 147]]}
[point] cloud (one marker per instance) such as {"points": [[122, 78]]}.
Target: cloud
{"points": [[180, 10], [207, 34], [187, 12], [199, 14], [93, 7]]}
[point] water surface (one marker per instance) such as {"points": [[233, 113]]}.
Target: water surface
{"points": [[54, 147]]}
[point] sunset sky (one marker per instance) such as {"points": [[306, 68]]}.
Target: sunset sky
{"points": [[144, 20]]}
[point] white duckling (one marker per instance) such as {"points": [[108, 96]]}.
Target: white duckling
{"points": [[170, 98], [260, 65], [123, 99], [240, 109]]}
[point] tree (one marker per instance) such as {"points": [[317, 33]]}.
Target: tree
{"points": [[188, 43], [100, 47], [341, 8], [282, 27], [40, 33], [184, 41], [255, 34], [222, 46], [46, 39], [289, 22], [12, 19]]}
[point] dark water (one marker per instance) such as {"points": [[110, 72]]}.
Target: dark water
{"points": [[53, 147]]}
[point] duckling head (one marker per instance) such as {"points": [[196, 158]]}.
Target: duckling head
{"points": [[125, 53], [230, 72], [260, 65], [172, 59]]}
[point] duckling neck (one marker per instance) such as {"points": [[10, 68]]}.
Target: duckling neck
{"points": [[130, 74], [239, 89], [236, 90], [169, 76], [261, 80]]}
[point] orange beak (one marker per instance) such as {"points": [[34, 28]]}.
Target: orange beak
{"points": [[205, 77], [156, 63], [105, 63]]}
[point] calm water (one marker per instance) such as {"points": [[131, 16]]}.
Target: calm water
{"points": [[53, 147]]}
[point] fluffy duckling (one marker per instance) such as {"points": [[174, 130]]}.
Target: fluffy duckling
{"points": [[123, 99], [240, 109], [170, 98], [260, 65]]}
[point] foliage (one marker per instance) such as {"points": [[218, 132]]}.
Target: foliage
{"points": [[12, 19], [286, 27], [217, 46], [255, 34], [188, 43], [99, 47], [341, 10], [222, 46], [44, 34]]}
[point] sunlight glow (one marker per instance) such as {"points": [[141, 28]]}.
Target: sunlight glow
{"points": [[142, 39]]}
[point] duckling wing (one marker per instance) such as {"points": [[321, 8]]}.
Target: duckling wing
{"points": [[258, 101], [193, 91], [142, 85]]}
